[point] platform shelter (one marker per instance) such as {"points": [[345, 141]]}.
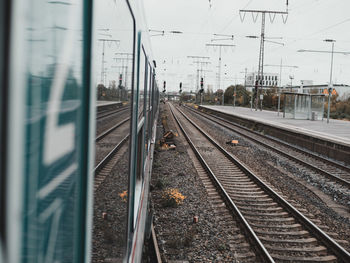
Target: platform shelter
{"points": [[302, 106]]}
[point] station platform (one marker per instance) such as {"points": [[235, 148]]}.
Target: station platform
{"points": [[105, 102], [108, 105], [332, 139], [337, 130]]}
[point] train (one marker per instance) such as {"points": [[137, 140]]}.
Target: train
{"points": [[57, 58]]}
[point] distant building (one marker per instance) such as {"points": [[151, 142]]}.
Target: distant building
{"points": [[268, 80], [342, 90]]}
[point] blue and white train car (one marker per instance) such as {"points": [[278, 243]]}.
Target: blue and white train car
{"points": [[53, 56]]}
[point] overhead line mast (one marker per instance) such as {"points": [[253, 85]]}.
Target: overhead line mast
{"points": [[200, 62], [109, 41], [227, 37], [272, 15]]}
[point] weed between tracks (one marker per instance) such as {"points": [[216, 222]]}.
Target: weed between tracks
{"points": [[172, 197]]}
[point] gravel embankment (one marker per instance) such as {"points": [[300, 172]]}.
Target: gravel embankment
{"points": [[110, 215], [296, 185], [108, 121], [178, 237]]}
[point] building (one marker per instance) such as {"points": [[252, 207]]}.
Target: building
{"points": [[269, 80], [342, 90]]}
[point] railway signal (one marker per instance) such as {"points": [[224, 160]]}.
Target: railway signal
{"points": [[202, 85], [164, 86], [120, 80], [180, 87]]}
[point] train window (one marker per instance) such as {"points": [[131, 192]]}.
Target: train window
{"points": [[147, 105], [113, 47], [150, 110], [142, 83], [141, 131], [139, 171]]}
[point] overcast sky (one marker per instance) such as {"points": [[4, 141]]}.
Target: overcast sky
{"points": [[309, 23]]}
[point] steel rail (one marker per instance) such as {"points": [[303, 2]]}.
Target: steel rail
{"points": [[320, 158], [339, 251], [105, 133], [101, 116], [257, 244], [313, 167], [111, 154]]}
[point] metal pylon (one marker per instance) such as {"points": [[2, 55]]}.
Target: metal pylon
{"points": [[261, 62]]}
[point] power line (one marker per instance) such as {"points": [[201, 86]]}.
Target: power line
{"points": [[110, 41], [220, 46], [272, 16]]}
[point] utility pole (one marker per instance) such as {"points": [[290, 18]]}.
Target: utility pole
{"points": [[330, 89], [124, 58], [200, 61], [272, 15], [330, 85], [120, 82], [291, 77], [110, 41], [55, 28], [201, 70], [219, 66]]}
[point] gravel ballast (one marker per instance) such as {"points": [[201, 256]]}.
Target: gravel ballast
{"points": [[291, 183], [179, 238]]}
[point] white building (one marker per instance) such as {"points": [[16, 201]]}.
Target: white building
{"points": [[269, 80]]}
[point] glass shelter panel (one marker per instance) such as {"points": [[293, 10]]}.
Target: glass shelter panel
{"points": [[289, 105], [302, 107], [317, 104], [113, 45]]}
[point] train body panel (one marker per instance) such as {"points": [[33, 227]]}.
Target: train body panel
{"points": [[53, 69]]}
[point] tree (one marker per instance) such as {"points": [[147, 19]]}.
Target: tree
{"points": [[242, 95]]}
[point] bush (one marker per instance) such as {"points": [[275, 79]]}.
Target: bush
{"points": [[172, 197]]}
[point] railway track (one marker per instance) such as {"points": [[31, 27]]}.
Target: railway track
{"points": [[107, 113], [105, 166], [332, 171], [111, 145], [110, 130], [277, 231], [237, 242]]}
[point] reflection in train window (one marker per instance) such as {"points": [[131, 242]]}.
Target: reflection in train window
{"points": [[113, 41], [142, 82]]}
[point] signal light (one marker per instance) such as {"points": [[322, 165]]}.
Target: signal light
{"points": [[164, 84], [202, 85], [120, 79]]}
